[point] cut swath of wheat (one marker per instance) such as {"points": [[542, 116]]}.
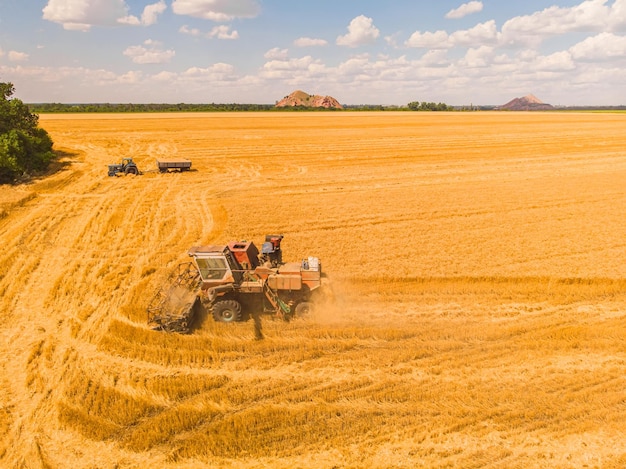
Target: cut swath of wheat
{"points": [[478, 269]]}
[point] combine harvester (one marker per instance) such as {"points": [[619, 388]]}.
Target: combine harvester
{"points": [[233, 282]]}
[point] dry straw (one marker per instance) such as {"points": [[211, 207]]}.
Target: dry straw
{"points": [[477, 315]]}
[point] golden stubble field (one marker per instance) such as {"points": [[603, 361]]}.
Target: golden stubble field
{"points": [[479, 276]]}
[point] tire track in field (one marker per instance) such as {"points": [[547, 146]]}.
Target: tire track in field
{"points": [[183, 225], [61, 245], [32, 329]]}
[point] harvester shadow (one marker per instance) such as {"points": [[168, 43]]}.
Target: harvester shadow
{"points": [[200, 315]]}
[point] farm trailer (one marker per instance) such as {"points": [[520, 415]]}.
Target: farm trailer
{"points": [[165, 165]]}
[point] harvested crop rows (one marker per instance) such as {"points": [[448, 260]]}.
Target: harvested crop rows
{"points": [[479, 293]]}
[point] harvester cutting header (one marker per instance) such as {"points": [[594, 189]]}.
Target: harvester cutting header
{"points": [[234, 281]]}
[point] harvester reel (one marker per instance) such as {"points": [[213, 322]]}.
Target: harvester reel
{"points": [[173, 307]]}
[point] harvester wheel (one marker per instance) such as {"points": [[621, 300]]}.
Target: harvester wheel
{"points": [[227, 311], [303, 309]]}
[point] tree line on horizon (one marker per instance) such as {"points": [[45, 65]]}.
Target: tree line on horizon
{"points": [[229, 107], [418, 106]]}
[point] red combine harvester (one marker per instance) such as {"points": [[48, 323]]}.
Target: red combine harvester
{"points": [[235, 281]]}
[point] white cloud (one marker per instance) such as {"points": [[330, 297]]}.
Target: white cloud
{"points": [[361, 31], [435, 58], [15, 56], [354, 66], [223, 32], [309, 42], [588, 16], [129, 20], [478, 57], [276, 54], [465, 9], [392, 40], [604, 46], [218, 71], [429, 40], [483, 33], [130, 78], [149, 16], [618, 15], [482, 75], [557, 62], [302, 63], [217, 10], [152, 12], [165, 77], [184, 29], [596, 81], [292, 70], [81, 15], [219, 32], [529, 30], [151, 54]]}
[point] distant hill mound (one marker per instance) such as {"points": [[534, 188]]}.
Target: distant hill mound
{"points": [[300, 98], [527, 103]]}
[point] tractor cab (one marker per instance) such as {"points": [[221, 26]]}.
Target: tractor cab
{"points": [[126, 162], [127, 166]]}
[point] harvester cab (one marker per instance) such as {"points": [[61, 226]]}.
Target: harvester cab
{"points": [[217, 265]]}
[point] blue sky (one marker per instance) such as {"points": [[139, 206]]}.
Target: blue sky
{"points": [[565, 52]]}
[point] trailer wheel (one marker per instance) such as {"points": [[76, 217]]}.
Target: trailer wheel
{"points": [[227, 311]]}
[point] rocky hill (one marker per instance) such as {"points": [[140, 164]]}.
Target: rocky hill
{"points": [[300, 98], [527, 103]]}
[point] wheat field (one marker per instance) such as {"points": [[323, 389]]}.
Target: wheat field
{"points": [[477, 316]]}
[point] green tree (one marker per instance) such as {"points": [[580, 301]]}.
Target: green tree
{"points": [[24, 147], [426, 106], [414, 106]]}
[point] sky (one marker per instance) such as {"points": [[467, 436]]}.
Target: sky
{"points": [[392, 52]]}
